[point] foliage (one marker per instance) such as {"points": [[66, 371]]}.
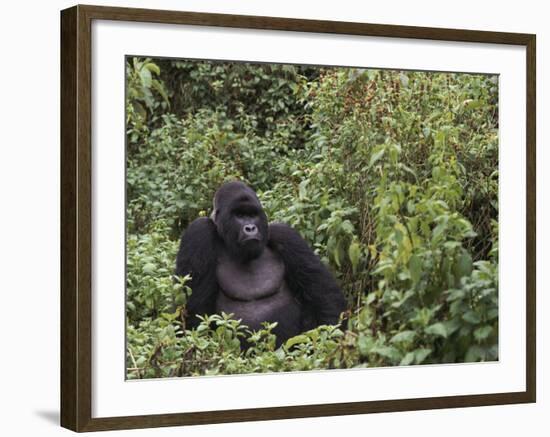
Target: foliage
{"points": [[142, 87], [390, 176]]}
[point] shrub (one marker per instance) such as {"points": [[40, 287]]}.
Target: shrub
{"points": [[390, 176]]}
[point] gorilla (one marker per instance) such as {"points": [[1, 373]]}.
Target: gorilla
{"points": [[241, 264]]}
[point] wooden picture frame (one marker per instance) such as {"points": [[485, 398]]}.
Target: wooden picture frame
{"points": [[76, 217]]}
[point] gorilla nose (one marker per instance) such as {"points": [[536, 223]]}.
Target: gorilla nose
{"points": [[250, 230]]}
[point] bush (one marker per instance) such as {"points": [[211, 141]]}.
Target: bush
{"points": [[391, 177]]}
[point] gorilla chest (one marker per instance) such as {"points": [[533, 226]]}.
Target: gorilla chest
{"points": [[256, 292]]}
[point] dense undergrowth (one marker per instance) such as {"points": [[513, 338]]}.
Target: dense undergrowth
{"points": [[391, 176]]}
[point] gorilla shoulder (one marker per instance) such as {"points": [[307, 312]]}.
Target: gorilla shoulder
{"points": [[197, 248]]}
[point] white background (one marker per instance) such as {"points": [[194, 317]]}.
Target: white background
{"points": [[112, 396], [29, 220]]}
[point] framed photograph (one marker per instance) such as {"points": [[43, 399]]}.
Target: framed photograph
{"points": [[268, 218]]}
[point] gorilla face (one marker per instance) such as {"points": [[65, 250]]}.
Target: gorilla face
{"points": [[240, 220]]}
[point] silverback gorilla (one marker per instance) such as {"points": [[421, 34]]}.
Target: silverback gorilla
{"points": [[260, 272]]}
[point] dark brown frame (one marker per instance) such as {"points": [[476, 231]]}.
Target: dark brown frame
{"points": [[76, 221]]}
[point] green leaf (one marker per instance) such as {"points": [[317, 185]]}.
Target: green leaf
{"points": [[451, 326], [160, 89], [376, 156], [153, 68], [408, 359], [140, 110], [364, 345], [463, 266], [483, 332], [387, 352], [403, 337], [415, 267], [475, 353], [347, 227], [421, 355], [437, 329], [455, 294], [438, 230], [146, 77], [354, 253], [439, 138], [472, 317], [296, 340], [336, 255], [472, 104], [280, 354], [302, 192], [149, 268]]}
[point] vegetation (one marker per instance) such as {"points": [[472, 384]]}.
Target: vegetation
{"points": [[391, 176]]}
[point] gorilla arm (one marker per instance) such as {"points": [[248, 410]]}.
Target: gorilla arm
{"points": [[306, 275], [197, 257]]}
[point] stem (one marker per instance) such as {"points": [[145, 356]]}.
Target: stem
{"points": [[135, 364]]}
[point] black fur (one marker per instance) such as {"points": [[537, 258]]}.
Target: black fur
{"points": [[267, 270]]}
